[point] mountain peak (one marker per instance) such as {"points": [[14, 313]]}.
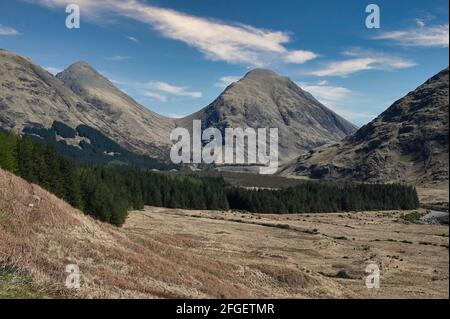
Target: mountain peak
{"points": [[265, 99], [261, 73], [80, 67], [82, 74]]}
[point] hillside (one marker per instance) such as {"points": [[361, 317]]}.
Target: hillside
{"points": [[129, 123], [34, 103], [33, 98], [30, 96], [167, 253], [407, 143], [263, 99]]}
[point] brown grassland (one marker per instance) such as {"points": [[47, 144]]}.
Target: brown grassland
{"points": [[169, 253]]}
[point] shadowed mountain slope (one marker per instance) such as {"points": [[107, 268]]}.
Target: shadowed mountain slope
{"points": [[406, 143]]}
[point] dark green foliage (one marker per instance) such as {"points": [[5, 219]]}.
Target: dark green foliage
{"points": [[412, 217], [318, 197], [63, 130], [100, 150], [8, 153], [108, 193]]}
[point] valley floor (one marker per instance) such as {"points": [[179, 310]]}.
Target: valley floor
{"points": [[304, 256]]}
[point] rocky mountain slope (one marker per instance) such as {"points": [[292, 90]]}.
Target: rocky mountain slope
{"points": [[263, 99], [406, 143], [129, 123], [32, 97]]}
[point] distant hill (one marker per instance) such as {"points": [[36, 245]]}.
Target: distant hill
{"points": [[407, 143]]}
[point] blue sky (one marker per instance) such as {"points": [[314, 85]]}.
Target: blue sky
{"points": [[177, 56]]}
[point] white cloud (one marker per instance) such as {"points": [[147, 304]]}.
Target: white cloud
{"points": [[118, 58], [225, 81], [422, 36], [148, 88], [363, 60], [300, 56], [132, 39], [156, 96], [343, 68], [217, 40], [172, 89], [175, 115], [342, 100], [327, 94], [4, 30], [420, 22], [53, 70]]}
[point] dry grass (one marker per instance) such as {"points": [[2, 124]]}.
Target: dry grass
{"points": [[434, 196], [162, 253]]}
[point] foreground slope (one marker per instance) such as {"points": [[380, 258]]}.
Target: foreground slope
{"points": [[174, 253], [263, 99], [407, 143]]}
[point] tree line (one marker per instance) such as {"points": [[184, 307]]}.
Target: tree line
{"points": [[104, 192], [108, 193], [324, 197]]}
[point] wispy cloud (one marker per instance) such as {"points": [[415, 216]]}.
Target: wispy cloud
{"points": [[132, 39], [225, 81], [327, 94], [53, 70], [420, 22], [361, 60], [421, 36], [217, 40], [344, 101], [175, 115], [154, 89], [172, 89], [300, 56], [156, 96], [118, 58], [4, 30]]}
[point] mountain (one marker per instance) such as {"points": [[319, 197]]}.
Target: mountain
{"points": [[406, 143], [32, 100], [36, 104], [31, 96], [263, 99], [127, 122]]}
